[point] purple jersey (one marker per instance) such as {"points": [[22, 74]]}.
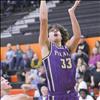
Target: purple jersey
{"points": [[60, 69]]}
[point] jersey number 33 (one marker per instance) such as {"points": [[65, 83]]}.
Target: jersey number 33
{"points": [[66, 63]]}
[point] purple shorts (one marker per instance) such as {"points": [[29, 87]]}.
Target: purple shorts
{"points": [[68, 95]]}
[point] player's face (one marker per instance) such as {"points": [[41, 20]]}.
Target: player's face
{"points": [[5, 84], [55, 35]]}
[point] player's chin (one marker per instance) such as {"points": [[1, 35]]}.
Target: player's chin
{"points": [[57, 40]]}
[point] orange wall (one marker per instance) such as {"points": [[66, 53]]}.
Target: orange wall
{"points": [[91, 42], [36, 47]]}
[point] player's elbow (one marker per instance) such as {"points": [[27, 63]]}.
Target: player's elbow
{"points": [[77, 37], [77, 32]]}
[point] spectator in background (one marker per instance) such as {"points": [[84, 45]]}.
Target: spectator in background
{"points": [[36, 62], [9, 56], [82, 50], [83, 91], [18, 56], [25, 62], [4, 70], [42, 74], [80, 54], [95, 76], [94, 57], [97, 45], [44, 91], [80, 62], [98, 98], [83, 45], [6, 87], [1, 65], [87, 75], [81, 68], [32, 81], [29, 52]]}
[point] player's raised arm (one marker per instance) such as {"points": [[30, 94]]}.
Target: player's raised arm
{"points": [[72, 44], [43, 37]]}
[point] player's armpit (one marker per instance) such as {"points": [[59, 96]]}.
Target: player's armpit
{"points": [[72, 43]]}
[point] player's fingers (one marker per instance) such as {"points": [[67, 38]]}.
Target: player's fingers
{"points": [[77, 2]]}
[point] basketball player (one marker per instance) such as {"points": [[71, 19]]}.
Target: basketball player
{"points": [[6, 87], [56, 53]]}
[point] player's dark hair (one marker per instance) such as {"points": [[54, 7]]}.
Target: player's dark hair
{"points": [[63, 31]]}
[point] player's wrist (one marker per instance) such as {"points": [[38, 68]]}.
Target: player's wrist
{"points": [[71, 11], [43, 2], [75, 5]]}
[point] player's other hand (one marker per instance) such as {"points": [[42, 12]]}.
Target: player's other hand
{"points": [[77, 2]]}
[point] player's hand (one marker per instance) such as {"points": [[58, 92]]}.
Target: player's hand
{"points": [[42, 1], [77, 2], [72, 9]]}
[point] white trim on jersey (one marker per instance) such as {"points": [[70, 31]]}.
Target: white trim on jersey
{"points": [[52, 97], [52, 81], [49, 52], [47, 78]]}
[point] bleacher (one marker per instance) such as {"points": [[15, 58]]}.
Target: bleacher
{"points": [[88, 15], [7, 21], [14, 22], [10, 18]]}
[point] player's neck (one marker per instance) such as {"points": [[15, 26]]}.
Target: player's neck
{"points": [[58, 44]]}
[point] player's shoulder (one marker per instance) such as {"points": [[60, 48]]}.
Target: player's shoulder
{"points": [[46, 49]]}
